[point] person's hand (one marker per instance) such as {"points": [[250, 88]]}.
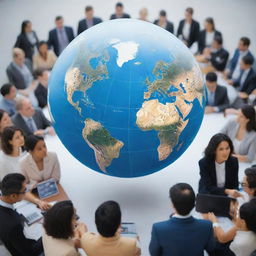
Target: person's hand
{"points": [[243, 95], [80, 229], [226, 73], [50, 131], [209, 109], [230, 82], [233, 193], [212, 217], [233, 210], [33, 85], [42, 205], [207, 52], [40, 132]]}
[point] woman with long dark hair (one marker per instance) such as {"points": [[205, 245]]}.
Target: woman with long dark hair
{"points": [[218, 168], [242, 132]]}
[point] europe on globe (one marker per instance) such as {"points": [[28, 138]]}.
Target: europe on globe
{"points": [[126, 98]]}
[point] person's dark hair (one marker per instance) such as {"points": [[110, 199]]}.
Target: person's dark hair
{"points": [[210, 21], [6, 136], [38, 72], [218, 39], [41, 43], [210, 151], [58, 220], [58, 18], [248, 60], [250, 174], [190, 10], [23, 25], [183, 198], [248, 213], [249, 112], [246, 41], [211, 77], [162, 13], [119, 4], [31, 142], [88, 8], [108, 218], [12, 184], [5, 89]]}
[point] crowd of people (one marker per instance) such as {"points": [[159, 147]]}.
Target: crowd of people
{"points": [[25, 160]]}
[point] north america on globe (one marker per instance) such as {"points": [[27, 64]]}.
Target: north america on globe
{"points": [[126, 103]]}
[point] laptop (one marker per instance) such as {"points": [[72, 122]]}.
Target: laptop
{"points": [[219, 205], [128, 229], [47, 188]]}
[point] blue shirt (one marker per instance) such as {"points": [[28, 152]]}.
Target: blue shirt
{"points": [[8, 106]]}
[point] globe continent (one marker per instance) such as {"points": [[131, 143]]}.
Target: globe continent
{"points": [[126, 98]]}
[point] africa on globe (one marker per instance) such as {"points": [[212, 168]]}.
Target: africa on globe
{"points": [[126, 98]]}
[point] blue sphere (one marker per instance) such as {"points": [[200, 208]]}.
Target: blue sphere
{"points": [[126, 98]]}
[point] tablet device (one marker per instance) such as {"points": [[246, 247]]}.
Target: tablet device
{"points": [[219, 205], [47, 188], [128, 229]]}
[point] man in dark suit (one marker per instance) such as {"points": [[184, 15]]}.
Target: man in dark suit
{"points": [[89, 20], [217, 96], [30, 120], [188, 30], [242, 50], [13, 188], [41, 91], [163, 22], [60, 36], [182, 234], [119, 13]]}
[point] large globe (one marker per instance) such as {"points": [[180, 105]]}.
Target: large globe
{"points": [[126, 98]]}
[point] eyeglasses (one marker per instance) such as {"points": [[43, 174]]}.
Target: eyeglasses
{"points": [[243, 184], [23, 192]]}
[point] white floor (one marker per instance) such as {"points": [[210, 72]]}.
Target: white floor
{"points": [[143, 200]]}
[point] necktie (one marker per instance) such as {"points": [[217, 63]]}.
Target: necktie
{"points": [[240, 79], [30, 125]]}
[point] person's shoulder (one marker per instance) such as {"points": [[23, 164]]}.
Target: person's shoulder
{"points": [[16, 117], [155, 21], [80, 22], [161, 224], [204, 224], [233, 159], [97, 19], [195, 22], [203, 160], [52, 155], [221, 88], [52, 30]]}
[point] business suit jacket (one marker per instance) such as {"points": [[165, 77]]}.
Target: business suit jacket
{"points": [[97, 245], [59, 247], [12, 236], [248, 144], [181, 237], [202, 38], [125, 16], [41, 93], [51, 168], [208, 180], [39, 118], [249, 84], [23, 43], [53, 38], [220, 98], [219, 59], [169, 26], [194, 31], [82, 25], [234, 60], [15, 77]]}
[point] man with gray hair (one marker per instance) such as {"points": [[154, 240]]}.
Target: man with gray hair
{"points": [[31, 120]]}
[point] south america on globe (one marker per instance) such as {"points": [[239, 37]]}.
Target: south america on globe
{"points": [[126, 98]]}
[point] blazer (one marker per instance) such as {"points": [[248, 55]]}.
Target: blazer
{"points": [[51, 168], [248, 144], [23, 43], [82, 25], [181, 237], [193, 34], [234, 60], [202, 38], [219, 59], [41, 93], [220, 98], [97, 245], [53, 38], [12, 236], [39, 118], [15, 77], [169, 26], [59, 247], [208, 180], [125, 16], [249, 84]]}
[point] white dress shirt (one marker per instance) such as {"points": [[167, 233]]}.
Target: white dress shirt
{"points": [[209, 38], [186, 30], [220, 174], [6, 205]]}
